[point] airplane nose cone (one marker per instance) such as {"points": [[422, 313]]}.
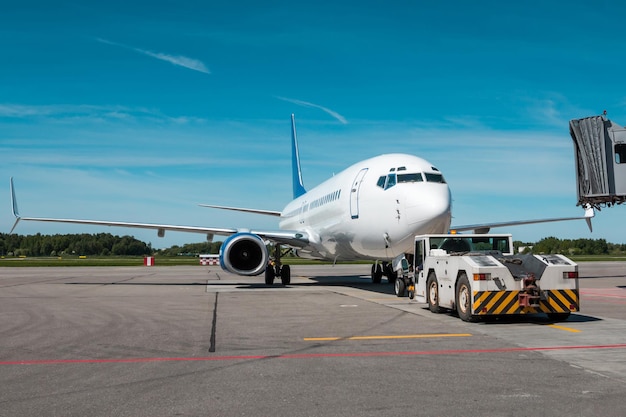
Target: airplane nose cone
{"points": [[430, 206]]}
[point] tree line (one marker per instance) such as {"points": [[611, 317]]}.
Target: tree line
{"points": [[101, 244], [72, 244], [105, 244], [574, 246], [191, 249]]}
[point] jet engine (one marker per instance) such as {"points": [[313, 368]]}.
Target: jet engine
{"points": [[244, 254]]}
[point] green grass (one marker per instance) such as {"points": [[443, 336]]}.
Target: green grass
{"points": [[593, 258], [122, 261], [94, 261], [184, 260]]}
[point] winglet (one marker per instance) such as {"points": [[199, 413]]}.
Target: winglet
{"points": [[14, 207], [589, 214], [298, 187]]}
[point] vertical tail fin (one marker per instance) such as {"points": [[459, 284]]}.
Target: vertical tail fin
{"points": [[298, 188]]}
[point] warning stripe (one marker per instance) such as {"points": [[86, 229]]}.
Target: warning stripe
{"points": [[506, 302], [564, 299]]}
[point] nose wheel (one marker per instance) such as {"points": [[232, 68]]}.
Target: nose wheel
{"points": [[384, 268], [377, 273]]}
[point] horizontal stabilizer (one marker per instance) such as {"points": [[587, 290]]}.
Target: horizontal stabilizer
{"points": [[245, 210]]}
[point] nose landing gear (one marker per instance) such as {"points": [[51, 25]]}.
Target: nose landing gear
{"points": [[383, 268]]}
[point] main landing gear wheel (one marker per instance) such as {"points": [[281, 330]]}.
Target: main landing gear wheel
{"points": [[269, 275], [464, 299], [276, 269], [285, 275], [377, 274], [432, 288], [399, 287]]}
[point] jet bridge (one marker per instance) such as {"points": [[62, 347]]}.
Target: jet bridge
{"points": [[600, 147]]}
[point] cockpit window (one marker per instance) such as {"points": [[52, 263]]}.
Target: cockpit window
{"points": [[410, 178], [391, 179], [388, 181], [431, 177]]}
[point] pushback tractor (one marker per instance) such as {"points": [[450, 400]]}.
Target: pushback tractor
{"points": [[478, 275]]}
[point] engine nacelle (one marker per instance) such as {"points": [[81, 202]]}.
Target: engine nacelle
{"points": [[244, 254]]}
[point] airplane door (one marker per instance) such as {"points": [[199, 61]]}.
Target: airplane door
{"points": [[354, 193], [303, 208]]}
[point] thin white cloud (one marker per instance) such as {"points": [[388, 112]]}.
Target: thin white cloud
{"points": [[316, 106], [87, 112], [18, 111], [550, 109], [179, 60]]}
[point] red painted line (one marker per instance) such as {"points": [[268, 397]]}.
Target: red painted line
{"points": [[605, 294], [610, 296], [307, 355]]}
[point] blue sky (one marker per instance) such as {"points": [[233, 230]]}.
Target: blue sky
{"points": [[138, 111]]}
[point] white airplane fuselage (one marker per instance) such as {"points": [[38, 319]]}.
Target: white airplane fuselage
{"points": [[371, 210]]}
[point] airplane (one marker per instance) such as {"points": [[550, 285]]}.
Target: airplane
{"points": [[370, 211]]}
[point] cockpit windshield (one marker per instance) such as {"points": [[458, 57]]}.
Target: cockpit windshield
{"points": [[387, 181], [432, 177], [410, 178]]}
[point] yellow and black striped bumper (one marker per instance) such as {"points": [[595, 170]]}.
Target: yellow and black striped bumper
{"points": [[507, 302]]}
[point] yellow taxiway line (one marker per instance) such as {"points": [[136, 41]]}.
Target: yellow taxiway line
{"points": [[567, 329]]}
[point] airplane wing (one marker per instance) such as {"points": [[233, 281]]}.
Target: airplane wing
{"points": [[289, 237], [484, 228]]}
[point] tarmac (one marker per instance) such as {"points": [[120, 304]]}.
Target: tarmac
{"points": [[197, 341]]}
